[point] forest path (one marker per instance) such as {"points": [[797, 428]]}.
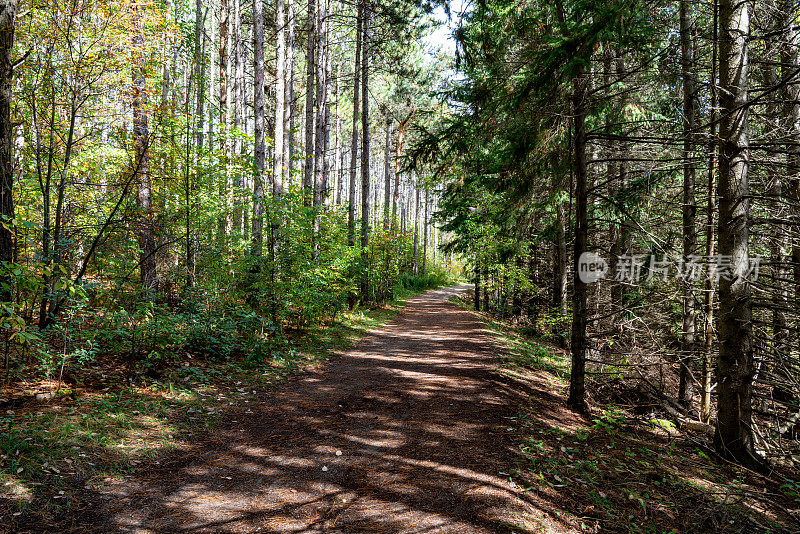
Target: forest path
{"points": [[406, 432]]}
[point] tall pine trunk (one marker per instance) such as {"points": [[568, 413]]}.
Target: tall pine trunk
{"points": [[289, 104], [238, 114], [685, 388], [577, 389], [425, 233], [387, 172], [141, 164], [259, 151], [311, 52], [225, 186], [415, 250], [339, 155], [8, 15], [778, 239], [560, 271], [734, 434], [278, 163], [351, 209], [365, 154], [711, 209]]}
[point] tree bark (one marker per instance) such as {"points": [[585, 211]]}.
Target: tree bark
{"points": [[338, 157], [351, 218], [686, 386], [326, 145], [734, 435], [289, 103], [425, 233], [8, 15], [711, 209], [365, 155], [791, 118], [778, 240], [387, 172], [398, 152], [577, 389], [141, 165], [259, 151], [477, 293], [238, 116], [212, 80], [311, 52], [225, 186], [280, 100], [560, 274], [415, 250]]}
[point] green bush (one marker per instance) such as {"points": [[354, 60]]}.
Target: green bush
{"points": [[431, 280]]}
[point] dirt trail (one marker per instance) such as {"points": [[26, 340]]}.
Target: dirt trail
{"points": [[407, 432]]}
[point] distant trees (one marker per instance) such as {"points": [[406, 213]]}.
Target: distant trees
{"points": [[146, 166]]}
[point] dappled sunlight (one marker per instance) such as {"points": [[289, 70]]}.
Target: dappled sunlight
{"points": [[16, 490], [405, 433]]}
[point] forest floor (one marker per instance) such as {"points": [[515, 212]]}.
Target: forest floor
{"points": [[441, 420]]}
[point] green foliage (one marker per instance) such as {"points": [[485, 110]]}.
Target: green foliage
{"points": [[555, 323], [611, 421], [437, 278], [792, 489]]}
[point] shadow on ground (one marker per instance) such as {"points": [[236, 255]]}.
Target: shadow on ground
{"points": [[408, 432]]}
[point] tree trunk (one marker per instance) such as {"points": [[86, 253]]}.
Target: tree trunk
{"points": [[486, 287], [280, 100], [686, 386], [321, 123], [560, 273], [477, 294], [621, 244], [238, 115], [336, 191], [791, 119], [778, 239], [387, 172], [259, 151], [326, 145], [311, 52], [141, 169], [398, 152], [425, 233], [577, 392], [288, 116], [8, 15], [711, 209], [734, 435], [415, 260], [225, 186], [212, 80], [365, 155], [351, 219], [200, 58]]}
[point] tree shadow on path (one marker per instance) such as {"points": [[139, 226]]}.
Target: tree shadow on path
{"points": [[410, 431]]}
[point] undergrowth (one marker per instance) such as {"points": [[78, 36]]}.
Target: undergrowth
{"points": [[616, 471], [53, 451]]}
